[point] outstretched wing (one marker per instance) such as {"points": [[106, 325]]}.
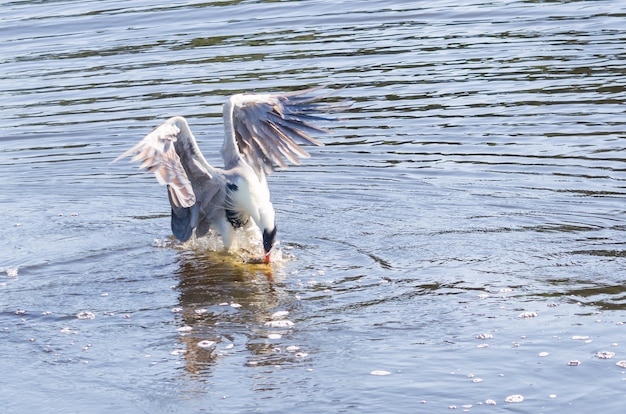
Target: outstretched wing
{"points": [[265, 130], [170, 152]]}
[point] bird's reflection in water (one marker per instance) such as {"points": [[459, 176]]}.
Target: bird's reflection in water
{"points": [[224, 304]]}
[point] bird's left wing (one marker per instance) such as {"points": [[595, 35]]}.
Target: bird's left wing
{"points": [[265, 130], [170, 152]]}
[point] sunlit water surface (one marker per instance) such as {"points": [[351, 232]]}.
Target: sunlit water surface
{"points": [[459, 239]]}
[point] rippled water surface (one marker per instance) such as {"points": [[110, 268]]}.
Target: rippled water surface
{"points": [[459, 239]]}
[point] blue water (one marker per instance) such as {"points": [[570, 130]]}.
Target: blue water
{"points": [[462, 231]]}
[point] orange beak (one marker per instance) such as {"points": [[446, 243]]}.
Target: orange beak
{"points": [[267, 258]]}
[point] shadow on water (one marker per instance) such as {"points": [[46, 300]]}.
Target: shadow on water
{"points": [[225, 305]]}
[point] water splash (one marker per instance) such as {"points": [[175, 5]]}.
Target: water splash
{"points": [[246, 246]]}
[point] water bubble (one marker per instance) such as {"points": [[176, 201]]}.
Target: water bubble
{"points": [[292, 348], [490, 402], [527, 315], [621, 364], [605, 354], [574, 363], [380, 373], [274, 336], [200, 311], [552, 395], [177, 309], [580, 337], [515, 398], [544, 354], [235, 305], [301, 354], [86, 315], [484, 336], [482, 346], [205, 344], [185, 328], [11, 272], [477, 380]]}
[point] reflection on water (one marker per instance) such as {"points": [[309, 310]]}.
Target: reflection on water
{"points": [[224, 304]]}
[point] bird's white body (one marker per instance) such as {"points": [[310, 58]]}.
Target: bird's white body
{"points": [[252, 199]]}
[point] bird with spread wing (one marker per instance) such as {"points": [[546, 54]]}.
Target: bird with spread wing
{"points": [[262, 132]]}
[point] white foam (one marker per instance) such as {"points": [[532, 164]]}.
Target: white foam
{"points": [[282, 323], [205, 344], [515, 398], [86, 315], [10, 271]]}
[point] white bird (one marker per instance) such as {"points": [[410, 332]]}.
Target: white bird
{"points": [[262, 132]]}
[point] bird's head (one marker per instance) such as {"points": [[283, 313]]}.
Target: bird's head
{"points": [[269, 238]]}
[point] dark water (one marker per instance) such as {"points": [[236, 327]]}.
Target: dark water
{"points": [[462, 231]]}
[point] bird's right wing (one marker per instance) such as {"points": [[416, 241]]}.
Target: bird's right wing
{"points": [[266, 130], [170, 152]]}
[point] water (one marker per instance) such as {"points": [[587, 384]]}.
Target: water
{"points": [[462, 231]]}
